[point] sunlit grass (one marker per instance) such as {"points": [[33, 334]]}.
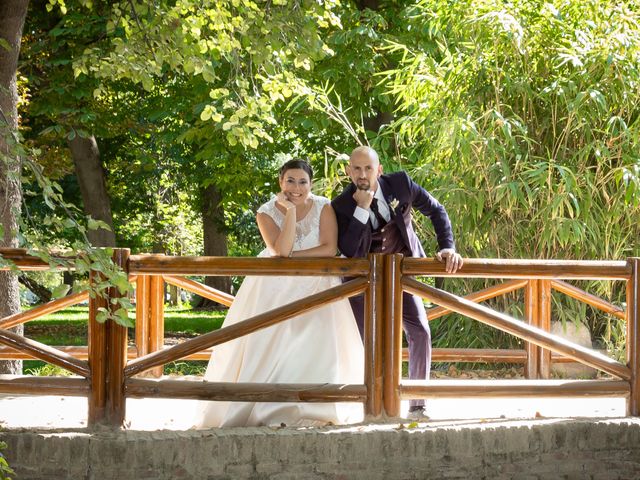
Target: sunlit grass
{"points": [[77, 315], [69, 327], [176, 319], [183, 320], [186, 367]]}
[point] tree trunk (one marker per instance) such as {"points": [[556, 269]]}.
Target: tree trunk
{"points": [[215, 238], [370, 4], [40, 291], [174, 296], [374, 122], [68, 278], [91, 177], [12, 17]]}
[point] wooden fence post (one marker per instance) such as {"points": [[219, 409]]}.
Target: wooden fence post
{"points": [[633, 336], [373, 350], [156, 320], [97, 351], [544, 319], [392, 334], [142, 314], [107, 359], [531, 314]]}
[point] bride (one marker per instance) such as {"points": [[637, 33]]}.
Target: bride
{"points": [[321, 346]]}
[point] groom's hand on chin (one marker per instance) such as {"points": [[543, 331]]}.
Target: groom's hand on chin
{"points": [[363, 198]]}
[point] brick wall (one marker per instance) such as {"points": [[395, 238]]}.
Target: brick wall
{"points": [[528, 450]]}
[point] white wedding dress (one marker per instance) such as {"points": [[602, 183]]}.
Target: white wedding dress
{"points": [[321, 346]]}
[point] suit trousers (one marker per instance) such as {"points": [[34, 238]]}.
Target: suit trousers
{"points": [[417, 332]]}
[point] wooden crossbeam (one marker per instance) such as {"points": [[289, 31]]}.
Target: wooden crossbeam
{"points": [[588, 298], [530, 269], [45, 309], [29, 385], [167, 265], [200, 289], [512, 388], [481, 296], [512, 326], [79, 352], [245, 327], [246, 392], [44, 352]]}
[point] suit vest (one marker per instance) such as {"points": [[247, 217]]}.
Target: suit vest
{"points": [[388, 239]]}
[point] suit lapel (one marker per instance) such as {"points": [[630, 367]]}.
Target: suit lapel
{"points": [[350, 202], [383, 186], [389, 194]]}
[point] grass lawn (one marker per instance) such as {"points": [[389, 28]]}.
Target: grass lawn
{"points": [[69, 327], [187, 321], [176, 319]]}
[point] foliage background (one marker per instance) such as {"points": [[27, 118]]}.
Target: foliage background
{"points": [[521, 117]]}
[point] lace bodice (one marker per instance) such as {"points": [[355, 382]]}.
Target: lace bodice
{"points": [[307, 229]]}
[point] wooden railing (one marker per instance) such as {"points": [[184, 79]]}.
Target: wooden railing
{"points": [[109, 371], [542, 276]]}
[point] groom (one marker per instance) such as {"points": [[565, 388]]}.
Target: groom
{"points": [[374, 216]]}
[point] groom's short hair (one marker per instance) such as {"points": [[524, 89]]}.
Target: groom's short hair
{"points": [[366, 150]]}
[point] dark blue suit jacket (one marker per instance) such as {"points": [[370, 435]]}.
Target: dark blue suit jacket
{"points": [[354, 237]]}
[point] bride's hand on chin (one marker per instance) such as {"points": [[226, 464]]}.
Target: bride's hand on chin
{"points": [[284, 202]]}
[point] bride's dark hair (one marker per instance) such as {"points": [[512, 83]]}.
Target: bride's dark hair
{"points": [[297, 163]]}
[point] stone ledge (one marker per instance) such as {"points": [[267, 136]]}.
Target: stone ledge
{"points": [[528, 449]]}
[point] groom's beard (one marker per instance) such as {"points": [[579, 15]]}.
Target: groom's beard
{"points": [[363, 185]]}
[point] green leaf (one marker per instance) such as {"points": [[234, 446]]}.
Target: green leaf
{"points": [[122, 283], [60, 291], [97, 224], [125, 303], [98, 267], [206, 113], [4, 44], [208, 74], [103, 315], [122, 318], [68, 223]]}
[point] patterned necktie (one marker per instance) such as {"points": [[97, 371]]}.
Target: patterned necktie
{"points": [[374, 208]]}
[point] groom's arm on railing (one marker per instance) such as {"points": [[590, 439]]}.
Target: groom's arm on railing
{"points": [[426, 204]]}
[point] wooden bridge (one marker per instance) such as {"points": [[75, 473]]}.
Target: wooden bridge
{"points": [[108, 371]]}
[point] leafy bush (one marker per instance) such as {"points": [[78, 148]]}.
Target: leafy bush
{"points": [[523, 120], [5, 469]]}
